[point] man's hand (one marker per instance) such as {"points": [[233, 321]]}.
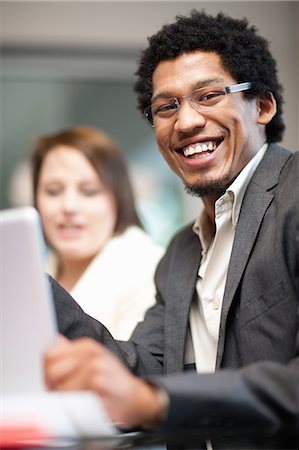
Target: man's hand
{"points": [[84, 364]]}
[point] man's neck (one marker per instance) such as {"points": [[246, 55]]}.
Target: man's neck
{"points": [[209, 205]]}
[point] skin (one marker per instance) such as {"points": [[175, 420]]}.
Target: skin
{"points": [[84, 364], [238, 127], [77, 211]]}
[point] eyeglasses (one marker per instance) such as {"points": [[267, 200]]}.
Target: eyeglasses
{"points": [[206, 97]]}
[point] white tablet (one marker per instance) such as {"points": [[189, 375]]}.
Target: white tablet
{"points": [[27, 329], [27, 320]]}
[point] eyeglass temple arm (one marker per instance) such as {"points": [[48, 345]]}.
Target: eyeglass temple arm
{"points": [[238, 87]]}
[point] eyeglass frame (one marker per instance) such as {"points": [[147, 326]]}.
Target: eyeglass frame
{"points": [[238, 87]]}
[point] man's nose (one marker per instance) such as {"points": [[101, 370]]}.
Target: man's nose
{"points": [[188, 116]]}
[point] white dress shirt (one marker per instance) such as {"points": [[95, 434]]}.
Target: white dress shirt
{"points": [[217, 241]]}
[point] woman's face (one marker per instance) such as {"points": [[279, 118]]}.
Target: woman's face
{"points": [[77, 211]]}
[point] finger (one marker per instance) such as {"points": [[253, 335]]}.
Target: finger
{"points": [[67, 363], [58, 369], [62, 340]]}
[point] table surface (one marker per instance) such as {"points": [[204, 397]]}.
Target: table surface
{"points": [[135, 441], [126, 441]]}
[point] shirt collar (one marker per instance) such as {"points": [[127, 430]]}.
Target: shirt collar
{"points": [[203, 226]]}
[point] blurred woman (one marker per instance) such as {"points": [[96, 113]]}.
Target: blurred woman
{"points": [[100, 254]]}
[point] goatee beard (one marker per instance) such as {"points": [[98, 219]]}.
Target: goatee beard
{"points": [[213, 187]]}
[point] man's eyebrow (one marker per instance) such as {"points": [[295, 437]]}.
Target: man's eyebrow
{"points": [[197, 85], [207, 82], [164, 94]]}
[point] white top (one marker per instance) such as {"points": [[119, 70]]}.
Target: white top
{"points": [[118, 286], [206, 308]]}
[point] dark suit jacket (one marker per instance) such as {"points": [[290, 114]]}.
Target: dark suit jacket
{"points": [[255, 390]]}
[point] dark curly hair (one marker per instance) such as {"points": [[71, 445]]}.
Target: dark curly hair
{"points": [[243, 52]]}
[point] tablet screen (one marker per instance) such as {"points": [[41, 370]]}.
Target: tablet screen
{"points": [[27, 320]]}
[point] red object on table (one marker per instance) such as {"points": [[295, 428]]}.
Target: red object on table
{"points": [[22, 436]]}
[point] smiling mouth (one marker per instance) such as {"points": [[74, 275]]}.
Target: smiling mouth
{"points": [[69, 227], [200, 150]]}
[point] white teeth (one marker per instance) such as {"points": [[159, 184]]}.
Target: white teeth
{"points": [[199, 148]]}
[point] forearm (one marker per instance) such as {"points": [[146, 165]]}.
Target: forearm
{"points": [[263, 397]]}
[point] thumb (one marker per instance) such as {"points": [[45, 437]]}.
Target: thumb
{"points": [[62, 340]]}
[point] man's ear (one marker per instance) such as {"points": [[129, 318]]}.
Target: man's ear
{"points": [[266, 108]]}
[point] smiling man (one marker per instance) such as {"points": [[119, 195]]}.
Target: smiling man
{"points": [[222, 341], [207, 136]]}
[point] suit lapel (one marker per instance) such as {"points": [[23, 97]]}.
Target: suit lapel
{"points": [[180, 293], [255, 203]]}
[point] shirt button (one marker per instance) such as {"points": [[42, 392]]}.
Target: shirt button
{"points": [[215, 304]]}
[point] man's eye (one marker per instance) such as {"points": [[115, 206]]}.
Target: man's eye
{"points": [[164, 108], [209, 96]]}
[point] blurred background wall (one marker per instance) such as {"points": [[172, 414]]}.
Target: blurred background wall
{"points": [[73, 62]]}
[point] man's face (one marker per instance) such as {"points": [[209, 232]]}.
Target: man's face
{"points": [[206, 148]]}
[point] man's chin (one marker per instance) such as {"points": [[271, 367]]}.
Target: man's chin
{"points": [[202, 190]]}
